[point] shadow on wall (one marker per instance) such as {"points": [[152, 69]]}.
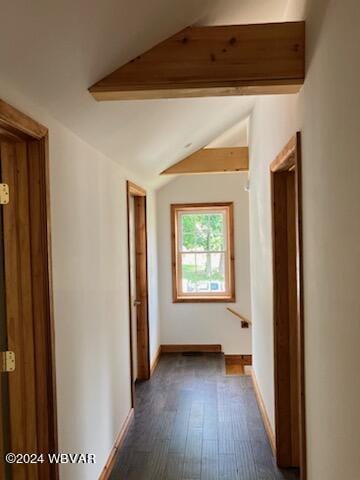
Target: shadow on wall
{"points": [[307, 9], [317, 12]]}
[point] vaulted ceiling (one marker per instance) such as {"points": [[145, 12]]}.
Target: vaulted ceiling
{"points": [[53, 51]]}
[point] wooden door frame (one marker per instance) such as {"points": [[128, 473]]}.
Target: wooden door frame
{"points": [[143, 347], [15, 125], [288, 160]]}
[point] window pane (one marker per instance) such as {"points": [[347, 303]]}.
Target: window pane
{"points": [[194, 231], [216, 223], [203, 272], [216, 243], [187, 223], [188, 242], [217, 228], [201, 222], [217, 278], [202, 232], [188, 269]]}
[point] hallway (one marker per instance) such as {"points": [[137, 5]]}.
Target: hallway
{"points": [[193, 422]]}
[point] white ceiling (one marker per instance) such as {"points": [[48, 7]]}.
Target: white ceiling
{"points": [[236, 136], [52, 51]]}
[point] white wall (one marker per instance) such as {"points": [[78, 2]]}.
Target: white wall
{"points": [[195, 323], [91, 302], [90, 267], [328, 114], [272, 124], [330, 103]]}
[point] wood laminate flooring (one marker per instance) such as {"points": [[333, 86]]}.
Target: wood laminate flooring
{"points": [[192, 422]]}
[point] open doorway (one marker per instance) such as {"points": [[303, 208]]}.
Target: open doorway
{"points": [[27, 370], [288, 308], [138, 285]]}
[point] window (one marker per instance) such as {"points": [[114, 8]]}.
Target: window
{"points": [[203, 259]]}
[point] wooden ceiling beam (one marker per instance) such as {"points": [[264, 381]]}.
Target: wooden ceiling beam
{"points": [[212, 160], [213, 61]]}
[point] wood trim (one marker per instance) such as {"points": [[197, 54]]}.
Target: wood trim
{"points": [[201, 205], [11, 137], [106, 472], [135, 190], [282, 319], [289, 363], [17, 122], [242, 359], [205, 299], [155, 361], [31, 143], [142, 289], [268, 428], [300, 308], [4, 403], [143, 347], [229, 298], [231, 231], [132, 383], [286, 159], [276, 88], [41, 252], [212, 160], [211, 61], [19, 304], [205, 348]]}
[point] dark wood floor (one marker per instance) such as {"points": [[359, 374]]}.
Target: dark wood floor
{"points": [[192, 422]]}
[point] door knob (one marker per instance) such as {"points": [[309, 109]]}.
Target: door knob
{"points": [[137, 303]]}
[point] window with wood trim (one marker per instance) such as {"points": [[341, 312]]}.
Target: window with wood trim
{"points": [[203, 252]]}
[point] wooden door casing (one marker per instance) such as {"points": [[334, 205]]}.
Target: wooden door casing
{"points": [[143, 366], [4, 400], [19, 306], [28, 292], [288, 308], [138, 195]]}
